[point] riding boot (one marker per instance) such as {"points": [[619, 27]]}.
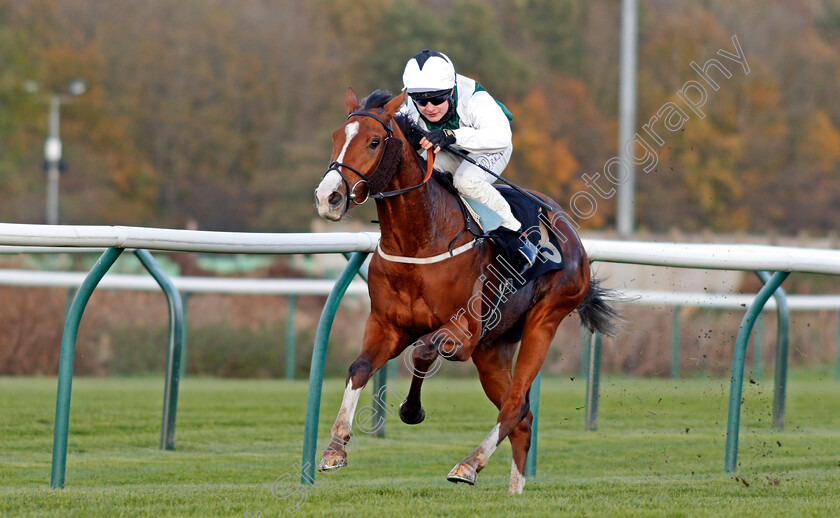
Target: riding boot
{"points": [[521, 253]]}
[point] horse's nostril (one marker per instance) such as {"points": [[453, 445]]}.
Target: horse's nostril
{"points": [[335, 198]]}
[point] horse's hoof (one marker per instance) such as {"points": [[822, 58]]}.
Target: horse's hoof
{"points": [[462, 472], [409, 417], [332, 460]]}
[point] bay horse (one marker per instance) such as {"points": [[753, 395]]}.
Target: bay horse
{"points": [[427, 272]]}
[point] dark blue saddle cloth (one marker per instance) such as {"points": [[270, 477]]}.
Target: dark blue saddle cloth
{"points": [[539, 231]]}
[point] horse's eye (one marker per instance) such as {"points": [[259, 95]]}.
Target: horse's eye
{"points": [[374, 143]]}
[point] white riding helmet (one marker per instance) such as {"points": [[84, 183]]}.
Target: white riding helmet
{"points": [[429, 71]]}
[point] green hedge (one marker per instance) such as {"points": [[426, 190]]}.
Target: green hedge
{"points": [[215, 350]]}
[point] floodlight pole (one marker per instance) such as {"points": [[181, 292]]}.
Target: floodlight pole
{"points": [[52, 147], [625, 211], [52, 160]]}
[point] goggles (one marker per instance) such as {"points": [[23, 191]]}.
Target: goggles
{"points": [[436, 100]]}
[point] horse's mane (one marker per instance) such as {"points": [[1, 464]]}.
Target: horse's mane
{"points": [[378, 99]]}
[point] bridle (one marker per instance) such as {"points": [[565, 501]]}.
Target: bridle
{"points": [[388, 165]]}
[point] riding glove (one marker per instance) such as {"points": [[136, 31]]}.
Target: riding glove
{"points": [[441, 138]]}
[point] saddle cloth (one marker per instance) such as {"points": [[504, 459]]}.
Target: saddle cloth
{"points": [[538, 228]]}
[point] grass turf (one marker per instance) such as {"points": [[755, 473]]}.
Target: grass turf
{"points": [[658, 451]]}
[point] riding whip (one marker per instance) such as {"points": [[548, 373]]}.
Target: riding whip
{"points": [[463, 154]]}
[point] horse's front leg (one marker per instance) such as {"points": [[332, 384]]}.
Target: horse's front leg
{"points": [[425, 362], [454, 341], [380, 344]]}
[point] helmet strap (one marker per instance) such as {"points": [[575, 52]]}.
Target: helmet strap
{"points": [[450, 111], [453, 100]]}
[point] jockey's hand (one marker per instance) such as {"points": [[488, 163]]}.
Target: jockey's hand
{"points": [[438, 139]]}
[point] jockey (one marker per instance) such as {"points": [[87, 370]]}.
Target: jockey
{"points": [[455, 109]]}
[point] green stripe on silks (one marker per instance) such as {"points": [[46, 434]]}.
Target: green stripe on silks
{"points": [[479, 88], [454, 122]]}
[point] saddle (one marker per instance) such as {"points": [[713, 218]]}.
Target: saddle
{"points": [[535, 223]]}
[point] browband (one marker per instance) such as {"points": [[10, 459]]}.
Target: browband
{"points": [[387, 125]]}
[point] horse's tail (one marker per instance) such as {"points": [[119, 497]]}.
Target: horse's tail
{"points": [[595, 312]]}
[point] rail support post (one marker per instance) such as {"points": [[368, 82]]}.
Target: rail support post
{"points": [[185, 300], [291, 336], [585, 351], [316, 369], [593, 383], [379, 399], [174, 349], [531, 460], [65, 365], [675, 342], [737, 380], [782, 340], [837, 348], [758, 347]]}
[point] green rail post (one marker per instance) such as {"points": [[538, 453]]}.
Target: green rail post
{"points": [[531, 460], [316, 368], [291, 338], [185, 298], [65, 365], [71, 292], [380, 379], [837, 349], [585, 340], [737, 380], [363, 269], [782, 340], [173, 356], [758, 338], [675, 342], [593, 383]]}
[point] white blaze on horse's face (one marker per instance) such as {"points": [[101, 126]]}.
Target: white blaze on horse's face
{"points": [[331, 203]]}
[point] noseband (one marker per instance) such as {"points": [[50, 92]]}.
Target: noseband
{"points": [[388, 165]]}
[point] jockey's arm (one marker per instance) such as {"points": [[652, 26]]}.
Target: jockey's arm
{"points": [[489, 131]]}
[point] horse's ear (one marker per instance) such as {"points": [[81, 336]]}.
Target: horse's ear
{"points": [[394, 104], [351, 101]]}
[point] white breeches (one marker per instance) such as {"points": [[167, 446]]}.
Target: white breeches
{"points": [[474, 183]]}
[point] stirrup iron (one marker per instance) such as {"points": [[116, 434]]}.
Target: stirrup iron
{"points": [[529, 252]]}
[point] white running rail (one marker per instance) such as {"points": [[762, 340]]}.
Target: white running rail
{"points": [[707, 256]]}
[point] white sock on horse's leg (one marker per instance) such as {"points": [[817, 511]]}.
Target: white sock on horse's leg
{"points": [[343, 426], [517, 480]]}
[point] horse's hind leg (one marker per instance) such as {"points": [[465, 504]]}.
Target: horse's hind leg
{"points": [[494, 367], [380, 345], [520, 437], [540, 325]]}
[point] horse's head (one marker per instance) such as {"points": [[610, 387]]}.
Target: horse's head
{"points": [[365, 154]]}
